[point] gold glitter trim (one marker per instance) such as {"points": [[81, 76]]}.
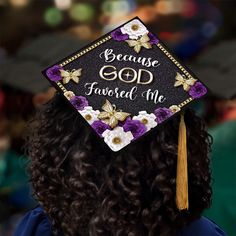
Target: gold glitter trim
{"points": [[174, 60], [165, 51], [76, 56], [61, 87], [182, 104]]}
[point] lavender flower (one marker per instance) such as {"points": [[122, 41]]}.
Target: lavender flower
{"points": [[135, 127], [162, 114], [100, 127], [118, 36], [79, 102], [153, 38], [54, 73], [197, 90]]}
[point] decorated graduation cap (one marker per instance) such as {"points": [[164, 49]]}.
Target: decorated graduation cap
{"points": [[125, 84]]}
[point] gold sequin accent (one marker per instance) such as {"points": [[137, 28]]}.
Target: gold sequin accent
{"points": [[144, 121], [134, 27], [88, 117], [116, 140]]}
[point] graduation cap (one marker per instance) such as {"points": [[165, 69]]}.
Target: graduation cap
{"points": [[34, 56], [125, 84], [218, 74]]}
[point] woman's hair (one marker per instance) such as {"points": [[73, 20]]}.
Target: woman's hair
{"points": [[86, 189]]}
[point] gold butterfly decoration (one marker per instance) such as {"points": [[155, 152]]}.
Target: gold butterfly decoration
{"points": [[110, 115], [70, 75], [139, 43], [186, 83]]}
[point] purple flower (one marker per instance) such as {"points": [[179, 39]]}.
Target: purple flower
{"points": [[153, 38], [135, 127], [162, 114], [79, 102], [100, 127], [54, 73], [197, 90], [118, 36]]}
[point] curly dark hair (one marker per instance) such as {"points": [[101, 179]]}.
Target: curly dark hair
{"points": [[86, 189]]}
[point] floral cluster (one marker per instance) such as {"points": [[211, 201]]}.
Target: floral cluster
{"points": [[57, 73], [54, 73], [126, 131], [195, 88], [118, 128], [136, 35]]}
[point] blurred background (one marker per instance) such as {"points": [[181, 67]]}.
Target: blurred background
{"points": [[36, 33]]}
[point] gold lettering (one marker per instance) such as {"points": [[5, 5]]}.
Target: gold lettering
{"points": [[127, 75], [103, 74], [140, 72]]}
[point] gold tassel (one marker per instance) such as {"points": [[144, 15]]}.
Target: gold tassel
{"points": [[182, 169]]}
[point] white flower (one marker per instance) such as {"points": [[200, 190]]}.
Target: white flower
{"points": [[134, 29], [117, 138], [174, 108], [89, 114], [149, 120]]}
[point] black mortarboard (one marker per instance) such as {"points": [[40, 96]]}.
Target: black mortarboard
{"points": [[33, 56], [218, 74], [125, 84]]}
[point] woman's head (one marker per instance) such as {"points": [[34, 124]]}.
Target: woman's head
{"points": [[86, 189]]}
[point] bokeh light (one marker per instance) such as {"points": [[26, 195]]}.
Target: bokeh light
{"points": [[63, 4], [53, 16], [19, 3], [190, 9], [164, 7], [82, 12], [3, 2], [209, 29], [115, 8], [83, 32]]}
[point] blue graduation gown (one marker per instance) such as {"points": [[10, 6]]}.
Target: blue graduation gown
{"points": [[36, 223]]}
